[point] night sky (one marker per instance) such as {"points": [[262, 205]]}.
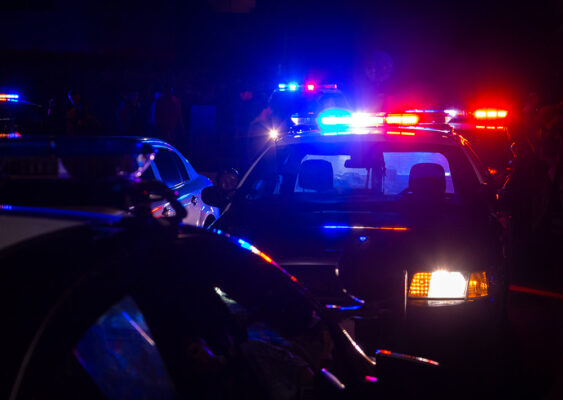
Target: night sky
{"points": [[444, 53]]}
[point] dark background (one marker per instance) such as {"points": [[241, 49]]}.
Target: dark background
{"points": [[445, 53]]}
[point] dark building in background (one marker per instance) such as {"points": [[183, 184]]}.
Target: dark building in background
{"points": [[442, 53]]}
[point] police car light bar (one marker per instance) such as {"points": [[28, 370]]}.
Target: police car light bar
{"points": [[356, 120], [11, 135], [338, 117], [490, 114], [9, 97], [309, 86], [364, 120]]}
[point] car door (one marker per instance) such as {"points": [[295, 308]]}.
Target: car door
{"points": [[189, 192], [172, 172]]}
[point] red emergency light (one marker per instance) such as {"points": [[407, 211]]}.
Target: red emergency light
{"points": [[490, 113], [490, 127]]}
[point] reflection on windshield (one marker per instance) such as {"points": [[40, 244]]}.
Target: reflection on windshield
{"points": [[120, 355], [287, 360]]}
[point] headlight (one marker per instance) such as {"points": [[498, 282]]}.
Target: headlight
{"points": [[444, 284]]}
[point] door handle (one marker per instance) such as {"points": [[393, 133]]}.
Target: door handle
{"points": [[168, 212]]}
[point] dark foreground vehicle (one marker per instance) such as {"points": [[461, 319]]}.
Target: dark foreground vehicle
{"points": [[120, 308], [400, 217]]}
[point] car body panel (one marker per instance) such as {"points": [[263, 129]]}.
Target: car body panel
{"points": [[64, 280], [189, 190]]}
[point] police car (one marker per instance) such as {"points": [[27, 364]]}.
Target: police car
{"points": [[393, 212], [65, 172], [294, 103]]}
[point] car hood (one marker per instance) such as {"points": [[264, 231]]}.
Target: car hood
{"points": [[363, 246], [288, 232]]}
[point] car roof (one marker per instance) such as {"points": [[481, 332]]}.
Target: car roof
{"points": [[387, 134]]}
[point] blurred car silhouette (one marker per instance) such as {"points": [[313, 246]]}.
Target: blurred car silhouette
{"points": [[100, 306], [64, 172]]}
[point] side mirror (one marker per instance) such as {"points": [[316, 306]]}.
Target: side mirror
{"points": [[213, 197]]}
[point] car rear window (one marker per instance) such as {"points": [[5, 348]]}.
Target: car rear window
{"points": [[395, 178], [364, 172]]}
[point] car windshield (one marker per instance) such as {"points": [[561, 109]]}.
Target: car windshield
{"points": [[361, 171]]}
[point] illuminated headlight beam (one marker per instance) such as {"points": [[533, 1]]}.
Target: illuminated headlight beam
{"points": [[446, 284]]}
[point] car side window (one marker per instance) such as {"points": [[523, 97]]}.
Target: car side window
{"points": [[121, 357], [168, 167], [181, 167]]}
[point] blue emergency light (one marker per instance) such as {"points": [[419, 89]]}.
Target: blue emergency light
{"points": [[293, 86]]}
